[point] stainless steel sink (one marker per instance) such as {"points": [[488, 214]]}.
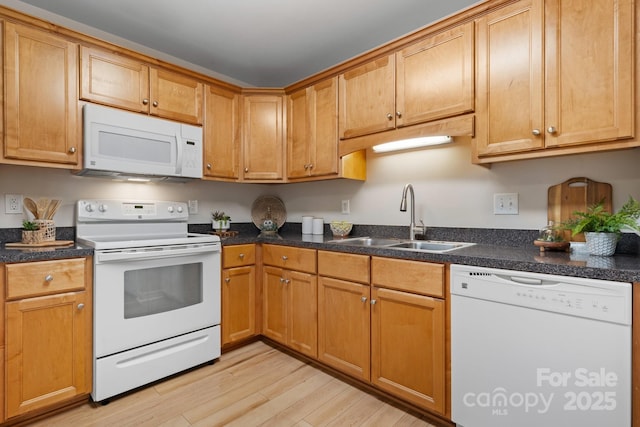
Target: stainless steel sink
{"points": [[430, 246], [433, 246], [367, 241]]}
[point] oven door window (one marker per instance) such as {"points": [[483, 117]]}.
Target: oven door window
{"points": [[161, 289]]}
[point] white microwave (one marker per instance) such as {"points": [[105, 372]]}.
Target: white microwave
{"points": [[125, 144]]}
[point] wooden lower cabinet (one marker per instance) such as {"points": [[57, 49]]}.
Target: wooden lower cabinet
{"points": [[238, 293], [408, 347], [48, 331], [344, 326], [290, 297]]}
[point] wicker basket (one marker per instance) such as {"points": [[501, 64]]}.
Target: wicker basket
{"points": [[48, 228], [602, 244]]}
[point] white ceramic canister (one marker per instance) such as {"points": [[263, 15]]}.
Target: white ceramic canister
{"points": [[318, 226], [307, 225]]}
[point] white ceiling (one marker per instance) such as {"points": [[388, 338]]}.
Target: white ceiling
{"points": [[269, 43]]}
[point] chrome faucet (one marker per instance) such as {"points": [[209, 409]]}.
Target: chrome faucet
{"points": [[403, 208]]}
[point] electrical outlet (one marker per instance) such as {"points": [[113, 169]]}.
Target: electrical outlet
{"points": [[345, 207], [13, 203], [193, 207], [505, 204]]}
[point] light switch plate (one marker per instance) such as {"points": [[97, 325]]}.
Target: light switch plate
{"points": [[505, 204]]}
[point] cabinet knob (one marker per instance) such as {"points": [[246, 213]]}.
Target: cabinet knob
{"points": [[246, 170], [389, 116], [552, 129], [282, 280], [310, 165], [286, 281], [72, 150], [145, 101], [306, 166], [536, 132], [284, 257], [155, 103], [208, 165], [398, 114], [80, 306], [373, 302], [227, 279], [48, 278], [363, 299], [241, 256]]}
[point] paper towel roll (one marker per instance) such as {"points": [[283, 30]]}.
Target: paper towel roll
{"points": [[307, 224], [318, 226]]}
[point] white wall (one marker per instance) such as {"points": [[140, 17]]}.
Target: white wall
{"points": [[449, 190]]}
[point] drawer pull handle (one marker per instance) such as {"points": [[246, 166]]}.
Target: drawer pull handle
{"points": [[48, 278], [80, 306]]}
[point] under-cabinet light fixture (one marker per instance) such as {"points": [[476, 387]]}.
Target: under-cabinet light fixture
{"points": [[405, 144], [136, 179]]}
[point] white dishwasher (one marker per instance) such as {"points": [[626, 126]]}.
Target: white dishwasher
{"points": [[531, 349]]}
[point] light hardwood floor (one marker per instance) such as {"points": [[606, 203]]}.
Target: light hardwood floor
{"points": [[255, 385]]}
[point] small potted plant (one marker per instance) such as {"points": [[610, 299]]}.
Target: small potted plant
{"points": [[31, 232], [220, 220], [601, 228]]}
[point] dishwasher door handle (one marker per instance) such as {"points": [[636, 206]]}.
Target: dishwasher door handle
{"points": [[526, 280]]}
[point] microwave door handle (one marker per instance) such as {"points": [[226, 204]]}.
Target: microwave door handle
{"points": [[179, 153]]}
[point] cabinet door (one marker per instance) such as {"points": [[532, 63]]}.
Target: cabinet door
{"points": [[48, 351], [299, 137], [367, 98], [114, 80], [275, 303], [589, 64], [510, 80], [324, 128], [41, 104], [221, 133], [175, 96], [408, 347], [344, 326], [303, 310], [434, 78], [238, 304], [263, 143]]}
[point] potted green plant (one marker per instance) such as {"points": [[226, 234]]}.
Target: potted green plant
{"points": [[220, 220], [31, 232], [601, 228]]}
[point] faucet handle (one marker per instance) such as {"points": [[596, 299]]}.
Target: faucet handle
{"points": [[421, 229]]}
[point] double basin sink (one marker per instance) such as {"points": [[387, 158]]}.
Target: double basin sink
{"points": [[432, 246]]}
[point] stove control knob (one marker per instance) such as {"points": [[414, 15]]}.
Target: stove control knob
{"points": [[90, 207], [103, 208], [170, 209], [180, 209]]}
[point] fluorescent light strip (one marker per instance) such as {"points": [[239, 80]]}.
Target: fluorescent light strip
{"points": [[406, 144]]}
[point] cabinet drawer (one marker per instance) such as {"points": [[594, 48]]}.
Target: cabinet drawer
{"points": [[45, 277], [291, 258], [238, 255], [412, 276], [350, 267]]}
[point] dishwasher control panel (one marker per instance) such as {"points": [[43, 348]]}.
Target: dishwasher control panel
{"points": [[595, 299]]}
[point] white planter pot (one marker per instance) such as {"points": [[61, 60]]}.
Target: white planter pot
{"points": [[602, 244], [220, 225]]}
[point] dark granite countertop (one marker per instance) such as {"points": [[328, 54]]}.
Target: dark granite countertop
{"points": [[507, 249]]}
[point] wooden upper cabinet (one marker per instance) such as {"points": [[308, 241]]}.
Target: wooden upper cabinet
{"points": [[428, 80], [435, 77], [552, 76], [128, 83], [367, 98], [312, 138], [263, 137], [221, 133], [41, 98]]}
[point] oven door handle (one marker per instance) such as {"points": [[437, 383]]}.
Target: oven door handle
{"points": [[152, 253]]}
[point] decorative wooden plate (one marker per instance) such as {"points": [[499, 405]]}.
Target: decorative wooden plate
{"points": [[270, 206]]}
